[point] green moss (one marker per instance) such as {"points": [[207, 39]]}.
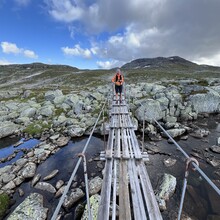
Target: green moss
{"points": [[59, 111], [36, 128], [4, 204]]}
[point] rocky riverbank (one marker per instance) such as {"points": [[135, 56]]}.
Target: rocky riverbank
{"points": [[55, 118]]}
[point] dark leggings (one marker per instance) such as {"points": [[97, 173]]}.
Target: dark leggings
{"points": [[118, 89]]}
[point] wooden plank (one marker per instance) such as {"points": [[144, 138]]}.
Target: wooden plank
{"points": [[110, 144], [138, 195], [134, 194], [117, 150], [124, 201], [125, 145], [148, 193], [114, 190], [103, 211]]}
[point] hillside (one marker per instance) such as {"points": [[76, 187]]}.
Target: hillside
{"points": [[44, 76]]}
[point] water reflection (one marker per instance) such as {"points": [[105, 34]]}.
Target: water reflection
{"points": [[6, 150]]}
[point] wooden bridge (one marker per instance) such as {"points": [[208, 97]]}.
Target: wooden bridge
{"points": [[126, 191]]}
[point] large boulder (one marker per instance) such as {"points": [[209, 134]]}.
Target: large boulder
{"points": [[8, 128], [206, 102], [51, 95], [31, 208], [152, 111]]}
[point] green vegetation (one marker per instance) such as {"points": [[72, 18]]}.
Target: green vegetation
{"points": [[59, 111], [36, 128], [4, 204]]}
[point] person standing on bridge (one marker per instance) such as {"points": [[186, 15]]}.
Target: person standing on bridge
{"points": [[118, 80]]}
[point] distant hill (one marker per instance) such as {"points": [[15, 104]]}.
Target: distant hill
{"points": [[162, 62], [39, 66]]}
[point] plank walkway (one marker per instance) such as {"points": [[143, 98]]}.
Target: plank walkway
{"points": [[126, 192]]}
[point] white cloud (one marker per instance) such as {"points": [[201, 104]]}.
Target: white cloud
{"points": [[212, 60], [30, 54], [23, 2], [11, 48], [77, 51], [109, 64], [65, 10], [144, 28]]}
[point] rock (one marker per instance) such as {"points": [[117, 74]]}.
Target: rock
{"points": [[51, 175], [215, 149], [62, 141], [29, 170], [60, 191], [45, 186], [205, 102], [21, 192], [95, 185], [169, 162], [8, 128], [28, 112], [175, 132], [30, 208], [76, 132], [153, 111], [51, 95], [54, 137], [59, 184], [94, 206], [74, 196], [35, 179], [166, 190], [214, 162], [10, 185], [218, 141]]}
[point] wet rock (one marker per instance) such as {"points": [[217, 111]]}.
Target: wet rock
{"points": [[62, 141], [60, 191], [74, 196], [45, 186], [214, 162], [59, 184], [35, 179], [30, 208], [18, 143], [215, 149], [20, 192], [79, 211], [95, 185], [29, 170], [169, 162], [51, 175], [165, 190]]}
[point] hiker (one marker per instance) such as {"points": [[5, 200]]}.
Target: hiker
{"points": [[118, 79]]}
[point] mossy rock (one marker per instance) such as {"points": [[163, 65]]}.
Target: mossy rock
{"points": [[4, 204]]}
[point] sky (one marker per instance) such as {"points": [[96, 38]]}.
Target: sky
{"points": [[103, 34]]}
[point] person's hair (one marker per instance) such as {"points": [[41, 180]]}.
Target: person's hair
{"points": [[118, 71]]}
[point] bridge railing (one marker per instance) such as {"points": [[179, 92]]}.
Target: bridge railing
{"points": [[189, 160]]}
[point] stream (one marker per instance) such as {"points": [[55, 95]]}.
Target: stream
{"points": [[201, 197]]}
